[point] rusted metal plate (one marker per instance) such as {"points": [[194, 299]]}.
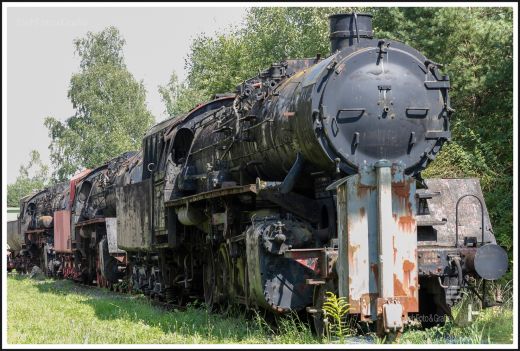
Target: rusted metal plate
{"points": [[357, 242], [14, 239], [443, 206], [377, 240], [404, 245], [62, 239], [133, 221], [111, 225], [319, 260], [73, 182]]}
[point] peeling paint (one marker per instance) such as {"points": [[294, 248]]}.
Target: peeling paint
{"points": [[407, 223], [398, 287]]}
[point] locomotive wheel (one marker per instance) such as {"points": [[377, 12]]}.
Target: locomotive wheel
{"points": [[209, 280], [223, 279], [182, 299], [216, 280]]}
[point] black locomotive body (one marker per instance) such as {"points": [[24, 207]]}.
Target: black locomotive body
{"points": [[35, 228], [304, 180]]}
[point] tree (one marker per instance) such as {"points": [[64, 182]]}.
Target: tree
{"points": [[219, 63], [32, 176], [178, 97], [111, 115]]}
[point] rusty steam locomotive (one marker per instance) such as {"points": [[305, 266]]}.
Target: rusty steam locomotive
{"points": [[307, 179]]}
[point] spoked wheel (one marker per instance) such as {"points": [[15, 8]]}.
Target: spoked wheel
{"points": [[209, 280], [216, 280], [320, 296], [224, 280]]}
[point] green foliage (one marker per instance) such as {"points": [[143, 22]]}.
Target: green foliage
{"points": [[475, 45], [477, 50], [217, 64], [32, 176], [336, 308], [491, 326], [111, 115], [178, 97], [103, 48]]}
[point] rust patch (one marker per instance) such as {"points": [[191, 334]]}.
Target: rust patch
{"points": [[408, 266], [363, 190], [362, 212], [398, 287], [395, 249], [401, 189], [366, 299], [407, 269], [354, 305], [406, 223], [406, 279], [351, 253], [410, 304]]}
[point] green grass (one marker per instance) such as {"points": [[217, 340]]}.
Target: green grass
{"points": [[62, 312], [492, 325]]}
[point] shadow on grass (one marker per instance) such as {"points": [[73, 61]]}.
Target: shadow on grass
{"points": [[109, 305], [186, 323]]}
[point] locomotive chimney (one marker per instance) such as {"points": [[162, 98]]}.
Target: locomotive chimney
{"points": [[347, 29]]}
